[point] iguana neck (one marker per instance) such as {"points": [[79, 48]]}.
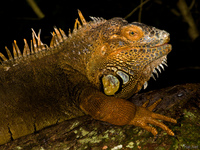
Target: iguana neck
{"points": [[78, 52]]}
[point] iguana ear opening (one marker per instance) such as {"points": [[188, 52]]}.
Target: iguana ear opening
{"points": [[111, 84]]}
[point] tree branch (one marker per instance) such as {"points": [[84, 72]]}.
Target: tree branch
{"points": [[187, 16], [36, 9], [181, 102], [136, 9]]}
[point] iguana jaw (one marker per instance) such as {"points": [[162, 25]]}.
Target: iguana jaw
{"points": [[155, 66]]}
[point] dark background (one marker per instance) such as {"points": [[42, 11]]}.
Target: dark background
{"points": [[17, 19]]}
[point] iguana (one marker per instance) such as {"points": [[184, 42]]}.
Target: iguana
{"points": [[93, 70]]}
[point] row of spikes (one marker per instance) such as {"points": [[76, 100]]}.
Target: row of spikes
{"points": [[36, 46]]}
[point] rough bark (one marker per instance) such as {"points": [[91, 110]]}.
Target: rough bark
{"points": [[181, 102]]}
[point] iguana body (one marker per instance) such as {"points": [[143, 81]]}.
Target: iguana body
{"points": [[92, 70]]}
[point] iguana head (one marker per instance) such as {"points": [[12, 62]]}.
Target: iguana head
{"points": [[123, 56]]}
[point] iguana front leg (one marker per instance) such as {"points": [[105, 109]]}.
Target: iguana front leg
{"points": [[122, 112]]}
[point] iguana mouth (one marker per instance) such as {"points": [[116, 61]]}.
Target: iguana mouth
{"points": [[165, 44]]}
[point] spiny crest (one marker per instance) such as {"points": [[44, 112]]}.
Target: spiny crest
{"points": [[36, 45], [77, 24], [97, 19]]}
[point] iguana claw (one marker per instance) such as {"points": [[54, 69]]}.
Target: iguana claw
{"points": [[145, 116]]}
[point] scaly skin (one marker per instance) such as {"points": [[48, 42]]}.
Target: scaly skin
{"points": [[93, 70]]}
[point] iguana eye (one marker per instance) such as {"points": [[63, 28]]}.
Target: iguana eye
{"points": [[131, 33]]}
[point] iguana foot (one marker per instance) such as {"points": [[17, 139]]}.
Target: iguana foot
{"points": [[145, 116]]}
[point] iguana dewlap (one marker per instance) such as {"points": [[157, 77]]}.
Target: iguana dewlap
{"points": [[91, 71]]}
